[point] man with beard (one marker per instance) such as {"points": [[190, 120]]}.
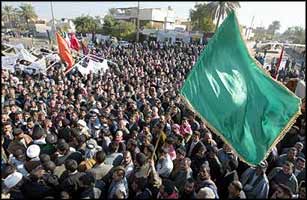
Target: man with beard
{"points": [[204, 179], [255, 182], [283, 175], [183, 174], [100, 169], [189, 189], [127, 163]]}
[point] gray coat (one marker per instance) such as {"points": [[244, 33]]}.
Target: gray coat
{"points": [[260, 189], [101, 170]]}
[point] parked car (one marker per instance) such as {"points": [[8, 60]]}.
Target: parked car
{"points": [[124, 44]]}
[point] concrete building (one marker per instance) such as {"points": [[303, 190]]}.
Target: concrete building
{"points": [[156, 18], [64, 23]]}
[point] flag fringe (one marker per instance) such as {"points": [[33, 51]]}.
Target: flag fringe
{"points": [[280, 135], [293, 118], [216, 132]]}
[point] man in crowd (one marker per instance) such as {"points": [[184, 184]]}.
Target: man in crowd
{"points": [[255, 182]]}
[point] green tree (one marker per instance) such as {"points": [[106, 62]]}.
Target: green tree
{"points": [[7, 14], [273, 28], [295, 34], [221, 8], [200, 18], [28, 13], [124, 30], [108, 24], [86, 24], [260, 33]]}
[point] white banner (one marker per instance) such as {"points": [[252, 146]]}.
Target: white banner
{"points": [[19, 46], [25, 55], [96, 66], [105, 65], [8, 62], [36, 67], [84, 70], [53, 57]]}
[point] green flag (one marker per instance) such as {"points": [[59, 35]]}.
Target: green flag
{"points": [[236, 98]]}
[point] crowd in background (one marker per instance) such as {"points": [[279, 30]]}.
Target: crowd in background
{"points": [[95, 136]]}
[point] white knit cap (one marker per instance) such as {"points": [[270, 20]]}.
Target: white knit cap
{"points": [[12, 179], [33, 151], [82, 123]]}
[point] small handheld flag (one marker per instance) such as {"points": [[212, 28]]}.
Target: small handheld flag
{"points": [[64, 53]]}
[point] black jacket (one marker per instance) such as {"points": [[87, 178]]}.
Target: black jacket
{"points": [[224, 183]]}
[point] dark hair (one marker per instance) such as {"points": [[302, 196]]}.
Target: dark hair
{"points": [[140, 159], [196, 133], [9, 169], [100, 156], [17, 131], [63, 146], [49, 166], [44, 158], [232, 164], [190, 180], [169, 187], [81, 138], [150, 148], [71, 165], [114, 146], [19, 152], [87, 179], [30, 119], [181, 151], [302, 184]]}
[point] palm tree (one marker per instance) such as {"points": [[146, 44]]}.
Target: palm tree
{"points": [[221, 8], [28, 12], [7, 13]]}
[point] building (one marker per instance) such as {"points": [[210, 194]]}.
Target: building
{"points": [[247, 32], [173, 36], [39, 28], [156, 18], [64, 24]]}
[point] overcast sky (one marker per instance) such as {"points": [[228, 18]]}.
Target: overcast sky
{"points": [[288, 13]]}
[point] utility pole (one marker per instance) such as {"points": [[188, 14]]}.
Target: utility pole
{"points": [[53, 29], [251, 27], [138, 23]]}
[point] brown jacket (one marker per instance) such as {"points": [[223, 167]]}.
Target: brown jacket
{"points": [[17, 144]]}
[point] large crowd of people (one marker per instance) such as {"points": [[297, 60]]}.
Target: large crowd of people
{"points": [[126, 133]]}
